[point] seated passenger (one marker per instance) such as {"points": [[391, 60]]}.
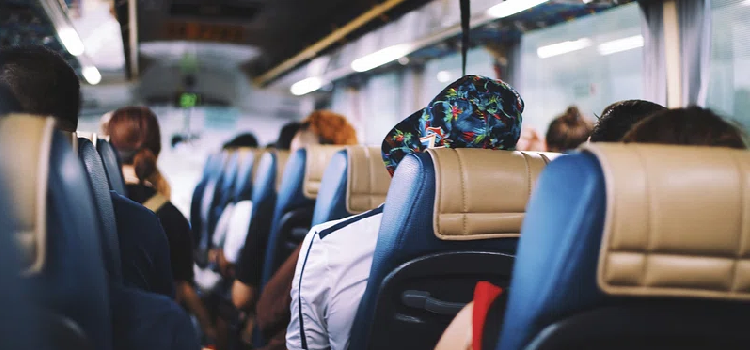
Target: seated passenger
{"points": [[336, 257], [134, 133], [618, 118], [692, 126], [567, 131], [530, 141], [320, 127], [687, 126], [46, 85], [243, 140]]}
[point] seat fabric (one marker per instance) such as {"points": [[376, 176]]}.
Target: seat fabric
{"points": [[112, 166]]}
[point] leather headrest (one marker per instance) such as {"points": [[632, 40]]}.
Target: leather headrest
{"points": [[677, 221], [482, 194], [25, 143], [317, 160], [367, 179]]}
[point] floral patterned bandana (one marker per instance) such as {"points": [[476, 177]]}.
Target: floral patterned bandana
{"points": [[473, 112]]}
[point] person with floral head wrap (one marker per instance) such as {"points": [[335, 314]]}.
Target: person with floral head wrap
{"points": [[335, 258]]}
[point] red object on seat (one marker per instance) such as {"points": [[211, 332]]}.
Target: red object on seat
{"points": [[484, 294]]}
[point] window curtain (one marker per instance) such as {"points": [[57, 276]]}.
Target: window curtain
{"points": [[695, 49], [654, 62]]}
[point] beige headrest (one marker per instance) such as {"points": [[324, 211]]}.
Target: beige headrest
{"points": [[367, 179], [281, 158], [25, 143], [482, 194], [317, 160], [677, 222]]}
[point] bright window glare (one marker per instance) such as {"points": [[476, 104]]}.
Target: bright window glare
{"points": [[444, 76], [380, 57], [562, 48], [71, 40], [91, 74], [621, 45], [510, 7], [306, 86]]}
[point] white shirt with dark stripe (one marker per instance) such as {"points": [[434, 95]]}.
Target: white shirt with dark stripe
{"points": [[330, 279]]}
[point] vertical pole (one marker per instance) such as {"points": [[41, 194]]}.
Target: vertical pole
{"points": [[133, 37]]}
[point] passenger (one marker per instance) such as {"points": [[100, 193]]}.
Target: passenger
{"points": [[44, 84], [687, 126], [104, 124], [530, 141], [288, 132], [320, 127], [618, 118], [473, 112], [242, 140], [134, 133], [567, 131]]}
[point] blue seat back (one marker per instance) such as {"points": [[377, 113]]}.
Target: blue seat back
{"points": [[56, 224], [355, 181], [112, 165], [476, 199], [243, 187], [669, 203], [295, 204]]}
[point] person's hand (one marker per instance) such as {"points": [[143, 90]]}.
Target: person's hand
{"points": [[213, 256]]}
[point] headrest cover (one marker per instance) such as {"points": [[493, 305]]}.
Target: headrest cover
{"points": [[677, 221], [25, 143], [482, 194], [367, 180], [317, 160]]}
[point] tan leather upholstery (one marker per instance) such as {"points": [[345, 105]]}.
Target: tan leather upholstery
{"points": [[482, 194], [367, 180], [281, 158], [677, 221], [25, 148], [318, 158]]}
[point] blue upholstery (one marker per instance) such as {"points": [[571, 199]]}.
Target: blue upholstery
{"points": [[226, 187], [556, 263], [73, 282], [250, 261], [331, 201], [243, 186], [196, 220], [290, 197], [99, 183], [406, 233], [112, 166], [209, 200]]}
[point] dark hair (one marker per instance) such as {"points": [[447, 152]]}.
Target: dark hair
{"points": [[242, 140], [618, 118], [567, 131], [134, 132], [8, 102], [42, 82], [287, 135], [687, 126], [330, 128]]}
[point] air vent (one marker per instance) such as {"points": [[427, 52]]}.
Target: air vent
{"points": [[243, 12]]}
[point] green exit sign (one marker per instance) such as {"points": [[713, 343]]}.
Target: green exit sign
{"points": [[188, 99]]}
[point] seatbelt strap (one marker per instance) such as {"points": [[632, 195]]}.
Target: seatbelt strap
{"points": [[156, 202], [465, 32]]}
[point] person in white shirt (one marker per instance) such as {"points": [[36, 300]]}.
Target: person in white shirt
{"points": [[336, 257]]}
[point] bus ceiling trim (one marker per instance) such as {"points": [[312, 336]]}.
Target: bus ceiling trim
{"points": [[337, 35]]}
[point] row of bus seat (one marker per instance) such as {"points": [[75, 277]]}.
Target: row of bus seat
{"points": [[65, 220], [453, 217]]}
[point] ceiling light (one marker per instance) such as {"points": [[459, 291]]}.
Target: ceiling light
{"points": [[444, 76], [620, 45], [380, 57], [510, 7], [305, 86], [562, 48], [91, 74], [71, 40]]}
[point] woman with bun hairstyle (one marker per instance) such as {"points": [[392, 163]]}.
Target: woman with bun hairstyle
{"points": [[567, 131], [134, 133]]}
